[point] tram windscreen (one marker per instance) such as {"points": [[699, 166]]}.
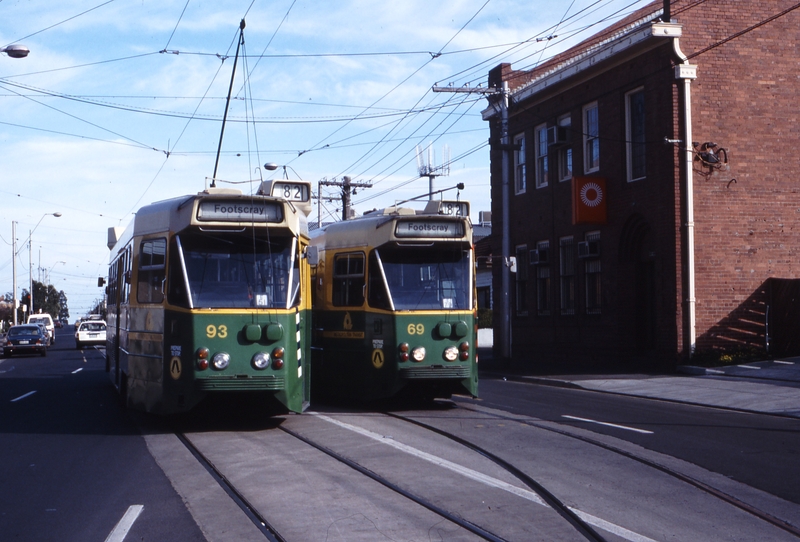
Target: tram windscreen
{"points": [[228, 270], [422, 278]]}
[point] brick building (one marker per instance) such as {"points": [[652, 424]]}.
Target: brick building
{"points": [[632, 246]]}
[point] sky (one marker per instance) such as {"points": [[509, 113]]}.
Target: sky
{"points": [[121, 103]]}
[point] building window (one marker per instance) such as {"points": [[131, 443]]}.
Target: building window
{"points": [[520, 181], [348, 280], [543, 278], [152, 271], [634, 113], [522, 280], [565, 151], [541, 155], [591, 138], [592, 269], [566, 262]]}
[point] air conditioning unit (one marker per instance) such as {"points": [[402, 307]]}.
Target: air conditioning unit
{"points": [[556, 135], [539, 257], [589, 249]]}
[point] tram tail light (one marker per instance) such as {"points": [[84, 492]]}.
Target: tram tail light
{"points": [[403, 351], [463, 351], [277, 357], [201, 358]]}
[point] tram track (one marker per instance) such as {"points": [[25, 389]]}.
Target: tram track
{"points": [[265, 527], [698, 484]]}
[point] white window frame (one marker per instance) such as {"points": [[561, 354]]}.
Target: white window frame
{"points": [[520, 180], [632, 146], [591, 138], [540, 148]]}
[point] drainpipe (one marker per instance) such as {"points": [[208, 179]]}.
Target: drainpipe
{"points": [[505, 279], [686, 72]]}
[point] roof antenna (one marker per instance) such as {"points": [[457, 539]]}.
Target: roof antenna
{"points": [[227, 103]]}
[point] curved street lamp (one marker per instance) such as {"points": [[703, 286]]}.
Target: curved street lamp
{"points": [[15, 51], [30, 258]]}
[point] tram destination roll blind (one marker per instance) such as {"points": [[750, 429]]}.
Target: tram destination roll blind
{"points": [[429, 228], [239, 211]]}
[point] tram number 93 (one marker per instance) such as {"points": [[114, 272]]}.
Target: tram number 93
{"points": [[219, 332], [416, 329]]}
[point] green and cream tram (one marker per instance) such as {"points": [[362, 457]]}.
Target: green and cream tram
{"points": [[210, 293], [394, 307]]}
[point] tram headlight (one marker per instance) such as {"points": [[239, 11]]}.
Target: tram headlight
{"points": [[261, 360], [418, 354], [221, 360], [403, 351], [463, 351], [201, 358], [451, 353]]}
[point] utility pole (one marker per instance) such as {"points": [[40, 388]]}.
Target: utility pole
{"points": [[505, 148], [14, 265], [347, 185]]}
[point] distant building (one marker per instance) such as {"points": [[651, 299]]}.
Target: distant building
{"points": [[632, 245]]}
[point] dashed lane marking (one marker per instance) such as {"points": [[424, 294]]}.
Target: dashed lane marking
{"points": [[488, 480], [79, 369], [644, 431], [121, 530], [23, 396]]}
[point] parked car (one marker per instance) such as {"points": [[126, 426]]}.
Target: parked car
{"points": [[25, 339], [47, 320], [90, 332]]}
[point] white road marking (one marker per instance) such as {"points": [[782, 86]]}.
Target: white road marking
{"points": [[608, 424], [748, 367], [23, 396], [79, 369], [488, 480], [121, 530], [783, 362]]}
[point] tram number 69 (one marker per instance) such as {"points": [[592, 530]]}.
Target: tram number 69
{"points": [[416, 329], [216, 331]]}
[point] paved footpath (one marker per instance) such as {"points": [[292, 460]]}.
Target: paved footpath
{"points": [[768, 386]]}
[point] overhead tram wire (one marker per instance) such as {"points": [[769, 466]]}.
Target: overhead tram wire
{"points": [[433, 57]]}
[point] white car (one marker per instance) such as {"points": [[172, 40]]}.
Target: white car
{"points": [[47, 320], [90, 332]]}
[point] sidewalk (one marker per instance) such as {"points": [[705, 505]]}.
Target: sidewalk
{"points": [[771, 387]]}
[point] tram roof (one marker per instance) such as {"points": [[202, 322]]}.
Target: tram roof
{"points": [[176, 214], [376, 228]]}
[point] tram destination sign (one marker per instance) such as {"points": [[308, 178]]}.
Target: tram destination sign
{"points": [[239, 211], [429, 228]]}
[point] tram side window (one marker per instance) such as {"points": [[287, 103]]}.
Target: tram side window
{"points": [[152, 271], [348, 280]]}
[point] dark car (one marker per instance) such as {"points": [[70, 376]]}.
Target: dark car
{"points": [[25, 339]]}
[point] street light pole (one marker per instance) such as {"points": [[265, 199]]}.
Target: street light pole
{"points": [[30, 258], [15, 51]]}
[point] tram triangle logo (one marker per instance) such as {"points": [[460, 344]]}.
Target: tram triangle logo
{"points": [[589, 200]]}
